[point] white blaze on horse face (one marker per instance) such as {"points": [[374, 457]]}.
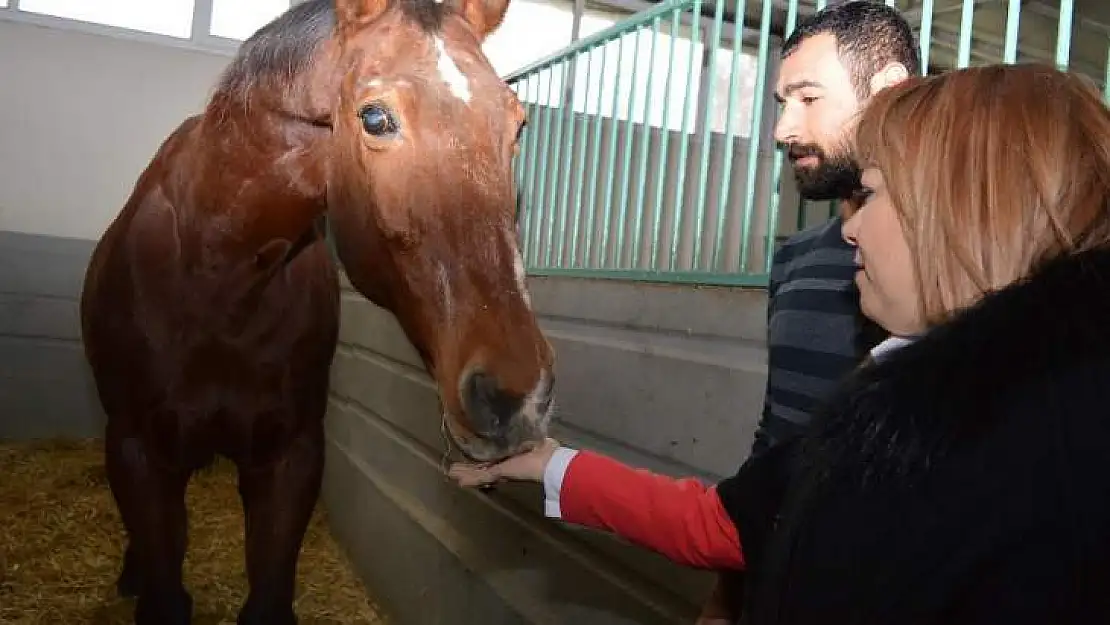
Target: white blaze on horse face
{"points": [[518, 271], [456, 81]]}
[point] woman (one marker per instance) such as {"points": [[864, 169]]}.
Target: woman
{"points": [[963, 477]]}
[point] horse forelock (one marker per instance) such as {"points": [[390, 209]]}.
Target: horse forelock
{"points": [[277, 55]]}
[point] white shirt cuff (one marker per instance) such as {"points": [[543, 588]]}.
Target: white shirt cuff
{"points": [[553, 475]]}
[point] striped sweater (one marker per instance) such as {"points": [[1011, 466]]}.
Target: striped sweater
{"points": [[816, 333]]}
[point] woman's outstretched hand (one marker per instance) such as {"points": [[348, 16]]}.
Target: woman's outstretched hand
{"points": [[527, 467]]}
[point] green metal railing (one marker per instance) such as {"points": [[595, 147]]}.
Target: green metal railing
{"points": [[649, 154]]}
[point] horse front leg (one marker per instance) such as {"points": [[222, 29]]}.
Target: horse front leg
{"points": [[151, 501], [278, 500]]}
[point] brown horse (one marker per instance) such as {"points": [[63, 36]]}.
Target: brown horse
{"points": [[210, 309]]}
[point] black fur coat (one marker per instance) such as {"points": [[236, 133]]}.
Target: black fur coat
{"points": [[964, 479]]}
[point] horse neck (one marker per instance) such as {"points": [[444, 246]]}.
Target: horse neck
{"points": [[262, 176]]}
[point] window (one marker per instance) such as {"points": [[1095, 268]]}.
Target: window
{"points": [[531, 30], [229, 21], [165, 17], [238, 19]]}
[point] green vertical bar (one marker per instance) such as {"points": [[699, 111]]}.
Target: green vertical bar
{"points": [[514, 169], [645, 146], [688, 107], [542, 214], [568, 140], [657, 214], [963, 57], [557, 175], [1013, 21], [588, 248], [568, 162], [581, 161], [703, 170], [603, 256], [531, 142], [1063, 34], [776, 170], [821, 4], [925, 34], [516, 165], [624, 204], [1106, 78], [753, 139]]}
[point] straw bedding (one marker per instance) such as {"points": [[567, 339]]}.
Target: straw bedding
{"points": [[61, 542]]}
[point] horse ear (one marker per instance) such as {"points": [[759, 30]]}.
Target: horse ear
{"points": [[351, 15], [484, 15]]}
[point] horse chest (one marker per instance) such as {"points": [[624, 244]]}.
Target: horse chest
{"points": [[283, 330], [223, 350]]}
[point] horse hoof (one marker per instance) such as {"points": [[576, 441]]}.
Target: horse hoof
{"points": [[127, 585], [128, 582], [172, 610], [255, 614]]}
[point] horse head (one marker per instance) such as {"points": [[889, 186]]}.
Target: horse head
{"points": [[422, 204]]}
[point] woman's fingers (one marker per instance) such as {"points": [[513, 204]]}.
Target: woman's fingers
{"points": [[471, 475], [527, 466]]}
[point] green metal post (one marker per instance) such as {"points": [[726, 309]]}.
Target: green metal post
{"points": [[753, 139], [1013, 21], [725, 192], [581, 161], [706, 140], [645, 146], [1063, 34], [624, 204], [688, 107], [657, 221]]}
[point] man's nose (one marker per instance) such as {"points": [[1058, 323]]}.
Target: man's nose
{"points": [[786, 131]]}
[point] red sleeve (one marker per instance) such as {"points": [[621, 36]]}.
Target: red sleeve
{"points": [[681, 519]]}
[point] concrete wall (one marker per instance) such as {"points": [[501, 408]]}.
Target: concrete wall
{"points": [[81, 116], [45, 387], [666, 378]]}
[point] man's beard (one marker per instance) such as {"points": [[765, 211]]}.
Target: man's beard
{"points": [[835, 177]]}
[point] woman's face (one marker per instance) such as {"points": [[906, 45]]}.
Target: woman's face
{"points": [[885, 277]]}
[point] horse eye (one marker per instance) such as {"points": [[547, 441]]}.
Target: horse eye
{"points": [[378, 121]]}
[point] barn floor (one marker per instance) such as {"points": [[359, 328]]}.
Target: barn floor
{"points": [[61, 542]]}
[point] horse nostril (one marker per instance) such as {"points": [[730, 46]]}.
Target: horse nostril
{"points": [[490, 408]]}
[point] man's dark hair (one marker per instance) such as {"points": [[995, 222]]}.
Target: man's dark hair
{"points": [[869, 35]]}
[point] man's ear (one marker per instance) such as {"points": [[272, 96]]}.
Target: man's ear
{"points": [[891, 74], [484, 16]]}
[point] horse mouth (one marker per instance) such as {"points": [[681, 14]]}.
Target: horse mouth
{"points": [[486, 450]]}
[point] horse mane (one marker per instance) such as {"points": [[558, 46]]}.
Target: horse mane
{"points": [[276, 55]]}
